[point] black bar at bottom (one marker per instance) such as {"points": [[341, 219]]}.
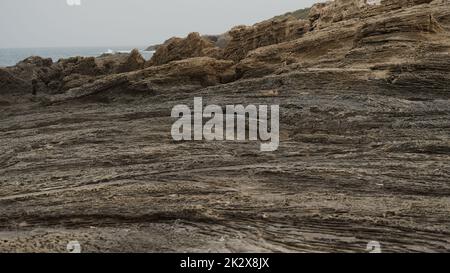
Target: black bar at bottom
{"points": [[221, 262]]}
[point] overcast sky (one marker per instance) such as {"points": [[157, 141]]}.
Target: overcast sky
{"points": [[53, 23]]}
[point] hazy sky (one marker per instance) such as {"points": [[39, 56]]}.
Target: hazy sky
{"points": [[53, 23]]}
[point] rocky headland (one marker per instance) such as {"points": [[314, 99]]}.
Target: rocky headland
{"points": [[364, 156]]}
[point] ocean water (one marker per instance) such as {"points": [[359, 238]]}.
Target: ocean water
{"points": [[11, 56]]}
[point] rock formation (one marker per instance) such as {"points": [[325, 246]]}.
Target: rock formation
{"points": [[176, 49], [340, 33], [364, 104], [152, 47], [134, 61], [66, 74], [371, 37], [245, 39], [10, 84], [192, 73]]}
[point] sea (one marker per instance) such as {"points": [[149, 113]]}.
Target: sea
{"points": [[11, 56]]}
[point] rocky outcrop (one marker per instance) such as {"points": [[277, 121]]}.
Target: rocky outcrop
{"points": [[364, 144], [10, 84], [341, 34], [315, 49], [238, 42], [189, 74], [176, 49], [30, 67], [363, 41], [247, 38], [17, 79], [299, 14], [89, 89], [350, 34], [34, 61], [134, 61], [109, 63], [78, 71], [79, 65], [203, 70], [103, 65], [220, 41], [323, 15], [68, 73], [234, 44], [153, 47]]}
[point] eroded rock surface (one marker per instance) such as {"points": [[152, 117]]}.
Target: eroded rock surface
{"points": [[365, 112], [176, 49], [245, 39], [400, 36], [65, 74]]}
